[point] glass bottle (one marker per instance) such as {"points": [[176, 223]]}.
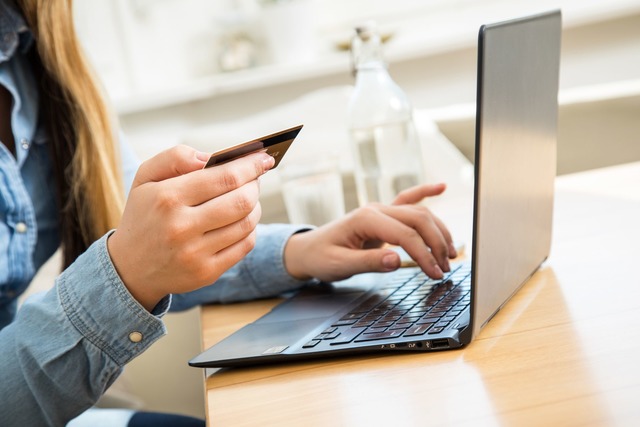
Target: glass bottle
{"points": [[385, 147]]}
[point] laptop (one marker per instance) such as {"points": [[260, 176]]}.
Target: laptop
{"points": [[406, 311]]}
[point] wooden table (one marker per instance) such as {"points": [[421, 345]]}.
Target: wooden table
{"points": [[564, 352]]}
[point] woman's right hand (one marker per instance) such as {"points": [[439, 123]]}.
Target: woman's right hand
{"points": [[354, 243], [183, 226]]}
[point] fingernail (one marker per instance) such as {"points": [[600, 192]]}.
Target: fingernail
{"points": [[268, 162], [202, 156], [439, 273], [391, 261], [452, 250]]}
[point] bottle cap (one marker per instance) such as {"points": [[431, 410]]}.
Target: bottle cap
{"points": [[366, 30]]}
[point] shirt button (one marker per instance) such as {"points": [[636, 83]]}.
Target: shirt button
{"points": [[135, 336], [24, 142], [21, 227]]}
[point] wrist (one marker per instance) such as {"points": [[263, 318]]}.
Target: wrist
{"points": [[293, 256], [147, 296]]}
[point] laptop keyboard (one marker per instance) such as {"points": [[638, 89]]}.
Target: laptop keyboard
{"points": [[412, 305]]}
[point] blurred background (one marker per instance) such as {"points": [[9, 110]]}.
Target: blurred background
{"points": [[214, 73]]}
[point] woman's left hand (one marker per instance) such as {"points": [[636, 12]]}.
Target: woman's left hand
{"points": [[354, 244]]}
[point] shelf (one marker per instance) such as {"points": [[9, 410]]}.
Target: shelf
{"points": [[239, 81], [613, 91], [413, 38], [597, 125], [599, 93]]}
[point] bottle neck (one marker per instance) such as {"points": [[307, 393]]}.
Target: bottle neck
{"points": [[373, 74], [366, 53]]}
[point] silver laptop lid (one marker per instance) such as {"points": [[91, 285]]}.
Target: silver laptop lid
{"points": [[516, 132]]}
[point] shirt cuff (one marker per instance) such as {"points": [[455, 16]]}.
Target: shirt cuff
{"points": [[272, 277], [98, 304]]}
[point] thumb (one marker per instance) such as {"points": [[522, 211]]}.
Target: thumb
{"points": [[170, 163], [372, 260]]}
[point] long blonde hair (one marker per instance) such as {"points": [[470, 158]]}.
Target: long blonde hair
{"points": [[81, 128]]}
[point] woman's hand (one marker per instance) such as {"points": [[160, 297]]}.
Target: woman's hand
{"points": [[183, 226], [353, 244]]}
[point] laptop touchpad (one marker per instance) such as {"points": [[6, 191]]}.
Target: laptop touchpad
{"points": [[305, 306]]}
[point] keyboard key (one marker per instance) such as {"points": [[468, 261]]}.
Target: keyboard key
{"points": [[372, 301], [400, 325], [429, 319], [331, 336], [352, 316], [417, 330], [418, 312], [392, 333], [347, 336], [363, 323], [382, 324], [344, 322], [375, 330], [408, 319]]}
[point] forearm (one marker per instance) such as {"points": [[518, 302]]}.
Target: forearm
{"points": [[67, 346], [46, 380]]}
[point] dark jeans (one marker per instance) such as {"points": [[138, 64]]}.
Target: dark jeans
{"points": [[155, 419]]}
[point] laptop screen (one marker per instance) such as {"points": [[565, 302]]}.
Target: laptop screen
{"points": [[516, 128]]}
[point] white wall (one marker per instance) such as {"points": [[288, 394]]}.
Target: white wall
{"points": [[158, 58]]}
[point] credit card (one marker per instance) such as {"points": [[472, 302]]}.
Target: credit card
{"points": [[275, 144]]}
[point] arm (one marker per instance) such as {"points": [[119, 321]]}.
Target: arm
{"points": [[67, 346]]}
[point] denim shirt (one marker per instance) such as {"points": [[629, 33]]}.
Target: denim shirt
{"points": [[63, 348]]}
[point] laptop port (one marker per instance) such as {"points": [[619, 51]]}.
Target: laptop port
{"points": [[439, 344]]}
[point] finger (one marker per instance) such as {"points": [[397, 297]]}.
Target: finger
{"points": [[372, 224], [227, 208], [201, 255], [238, 230], [206, 184], [226, 258], [170, 163], [424, 225], [211, 267], [415, 194], [431, 232], [447, 236], [372, 260]]}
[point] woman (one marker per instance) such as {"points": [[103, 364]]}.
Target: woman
{"points": [[182, 229]]}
